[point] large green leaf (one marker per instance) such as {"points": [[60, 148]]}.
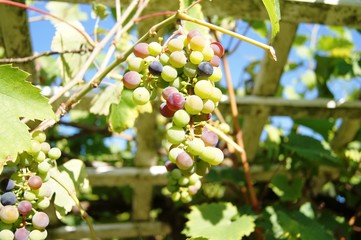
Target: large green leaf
{"points": [[218, 221], [274, 13], [19, 99], [70, 177]]}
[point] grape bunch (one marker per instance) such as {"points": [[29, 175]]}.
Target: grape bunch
{"points": [[183, 72], [27, 192]]}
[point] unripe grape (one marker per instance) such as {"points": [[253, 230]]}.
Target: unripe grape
{"points": [[208, 106], [136, 64], [203, 89], [212, 155], [154, 48], [208, 53], [184, 161], [6, 234], [175, 44], [216, 95], [169, 73], [173, 154], [38, 235], [40, 220], [193, 33], [216, 75], [190, 70], [181, 118], [141, 95], [209, 138], [196, 57], [215, 61], [21, 234], [9, 214], [177, 59], [39, 136], [175, 135], [54, 153], [141, 50], [195, 146], [175, 101], [193, 104], [197, 43]]}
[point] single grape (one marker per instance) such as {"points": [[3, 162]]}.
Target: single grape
{"points": [[175, 101], [24, 207], [177, 59], [203, 89], [164, 58], [196, 57], [193, 33], [155, 68], [43, 203], [38, 235], [35, 182], [136, 64], [168, 91], [193, 179], [208, 53], [45, 147], [208, 106], [184, 161], [176, 83], [131, 79], [30, 196], [44, 191], [212, 155], [35, 147], [216, 95], [39, 136], [154, 48], [8, 198], [9, 214], [44, 167], [40, 156], [170, 166], [190, 70], [141, 96], [176, 44], [173, 154], [215, 61], [209, 138], [165, 111], [7, 184], [175, 135], [176, 173], [141, 50], [183, 181], [218, 49], [216, 75], [205, 69], [40, 220], [197, 43], [193, 104], [169, 73], [54, 153], [195, 146], [181, 118], [6, 234], [175, 196], [21, 234], [185, 197]]}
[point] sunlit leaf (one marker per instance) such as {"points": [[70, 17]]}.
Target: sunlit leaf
{"points": [[101, 102], [274, 13]]}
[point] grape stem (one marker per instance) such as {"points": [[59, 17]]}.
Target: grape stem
{"points": [[225, 137], [56, 176], [268, 48]]}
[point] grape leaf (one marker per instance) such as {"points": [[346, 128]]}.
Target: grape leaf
{"points": [[218, 221], [273, 10], [287, 191], [196, 12], [101, 102], [66, 11], [18, 99], [72, 176]]}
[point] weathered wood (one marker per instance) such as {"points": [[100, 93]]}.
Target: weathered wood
{"points": [[111, 230]]}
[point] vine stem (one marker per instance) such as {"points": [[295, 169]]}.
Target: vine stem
{"points": [[268, 48], [16, 4], [225, 137], [84, 215]]}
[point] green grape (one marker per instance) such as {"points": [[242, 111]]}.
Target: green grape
{"points": [[212, 155], [177, 83], [141, 96], [154, 48], [185, 197], [216, 95], [35, 147], [193, 179], [175, 196], [183, 181], [9, 214], [203, 89], [197, 43], [190, 70], [216, 75], [181, 118], [30, 196], [196, 57], [193, 104], [208, 53], [175, 135], [208, 106], [164, 59], [39, 136], [195, 146], [169, 73], [176, 174], [44, 167], [136, 64], [173, 153], [6, 234], [45, 147], [176, 44], [43, 203], [38, 234], [54, 153], [40, 157], [177, 59]]}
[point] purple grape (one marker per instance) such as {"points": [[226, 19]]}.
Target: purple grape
{"points": [[35, 182], [218, 49], [170, 166], [21, 234], [184, 161], [7, 185], [8, 198], [24, 207], [165, 111], [168, 91], [205, 69], [40, 220], [155, 68], [209, 138], [175, 101], [141, 50]]}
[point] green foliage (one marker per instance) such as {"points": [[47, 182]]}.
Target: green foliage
{"points": [[19, 99], [287, 190], [101, 102], [218, 221], [274, 13]]}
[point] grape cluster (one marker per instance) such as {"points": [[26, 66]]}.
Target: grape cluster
{"points": [[27, 192], [184, 71]]}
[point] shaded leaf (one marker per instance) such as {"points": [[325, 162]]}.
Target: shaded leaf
{"points": [[321, 126], [285, 189], [101, 102], [218, 221], [18, 99]]}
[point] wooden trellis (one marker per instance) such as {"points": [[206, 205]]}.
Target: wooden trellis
{"points": [[14, 37]]}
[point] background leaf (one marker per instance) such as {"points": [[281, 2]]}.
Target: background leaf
{"points": [[101, 102], [274, 13], [285, 189], [18, 99]]}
